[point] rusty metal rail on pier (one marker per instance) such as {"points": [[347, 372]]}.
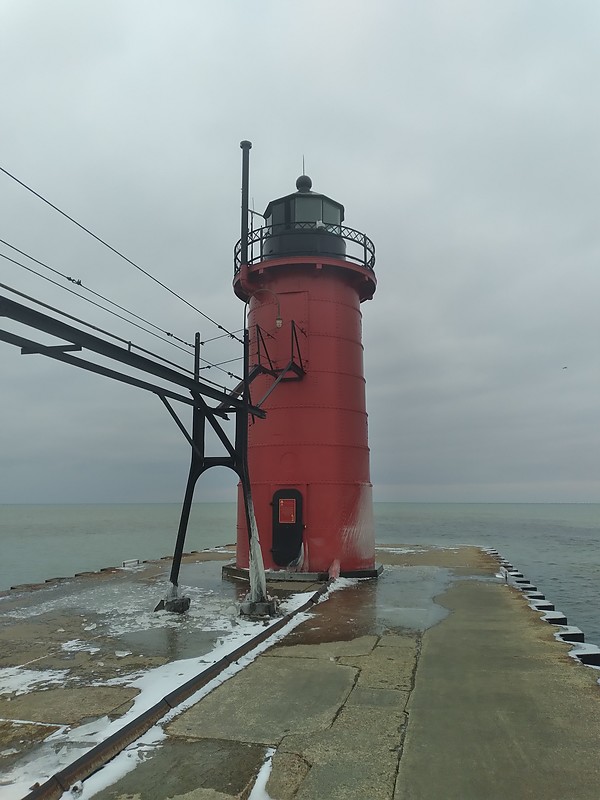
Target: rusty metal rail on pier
{"points": [[99, 755]]}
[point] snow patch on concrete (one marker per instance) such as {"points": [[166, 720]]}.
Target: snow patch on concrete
{"points": [[259, 790], [64, 746], [20, 680]]}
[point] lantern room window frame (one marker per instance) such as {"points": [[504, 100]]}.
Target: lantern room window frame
{"points": [[295, 210]]}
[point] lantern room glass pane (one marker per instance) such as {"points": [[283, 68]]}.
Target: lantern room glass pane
{"points": [[308, 209], [332, 214], [278, 213]]}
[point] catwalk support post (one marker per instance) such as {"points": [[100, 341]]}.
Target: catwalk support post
{"points": [[173, 602]]}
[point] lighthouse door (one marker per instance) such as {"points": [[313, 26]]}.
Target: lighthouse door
{"points": [[288, 526]]}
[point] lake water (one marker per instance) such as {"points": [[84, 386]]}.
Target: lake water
{"points": [[556, 546]]}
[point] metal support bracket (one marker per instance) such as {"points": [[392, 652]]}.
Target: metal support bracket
{"points": [[43, 350]]}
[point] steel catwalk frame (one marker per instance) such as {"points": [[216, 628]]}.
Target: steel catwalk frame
{"points": [[202, 412]]}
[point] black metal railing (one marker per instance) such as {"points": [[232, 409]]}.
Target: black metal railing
{"points": [[361, 251]]}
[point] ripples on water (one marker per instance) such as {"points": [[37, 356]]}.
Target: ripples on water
{"points": [[555, 545]]}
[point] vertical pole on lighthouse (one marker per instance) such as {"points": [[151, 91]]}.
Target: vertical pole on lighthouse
{"points": [[257, 602], [245, 147]]}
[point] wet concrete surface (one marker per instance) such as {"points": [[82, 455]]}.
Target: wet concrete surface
{"points": [[67, 648], [400, 599], [498, 707], [436, 680], [380, 631], [112, 613]]}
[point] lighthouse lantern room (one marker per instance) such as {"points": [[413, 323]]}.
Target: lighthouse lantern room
{"points": [[304, 275]]}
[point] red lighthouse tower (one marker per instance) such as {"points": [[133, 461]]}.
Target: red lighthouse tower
{"points": [[305, 278]]}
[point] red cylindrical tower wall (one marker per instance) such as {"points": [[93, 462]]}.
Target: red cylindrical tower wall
{"points": [[314, 438]]}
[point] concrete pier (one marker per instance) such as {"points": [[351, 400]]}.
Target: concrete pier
{"points": [[435, 681]]}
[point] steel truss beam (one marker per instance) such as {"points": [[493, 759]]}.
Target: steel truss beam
{"points": [[236, 401], [42, 322]]}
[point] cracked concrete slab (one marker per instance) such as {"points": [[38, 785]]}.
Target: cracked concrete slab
{"points": [[195, 769], [358, 729], [288, 772], [344, 777], [269, 699], [361, 646], [385, 698], [68, 706], [356, 758], [386, 667], [403, 640]]}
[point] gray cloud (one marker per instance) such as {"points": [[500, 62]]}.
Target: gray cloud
{"points": [[462, 138]]}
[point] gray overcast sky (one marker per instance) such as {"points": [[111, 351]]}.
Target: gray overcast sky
{"points": [[463, 137]]}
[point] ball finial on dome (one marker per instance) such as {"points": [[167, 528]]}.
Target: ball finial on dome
{"points": [[304, 183]]}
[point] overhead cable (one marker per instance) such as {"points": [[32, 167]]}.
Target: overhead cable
{"points": [[130, 345], [79, 283], [118, 253], [220, 336], [93, 302], [114, 313], [228, 361]]}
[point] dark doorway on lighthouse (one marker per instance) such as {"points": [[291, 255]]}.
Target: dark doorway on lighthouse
{"points": [[288, 526]]}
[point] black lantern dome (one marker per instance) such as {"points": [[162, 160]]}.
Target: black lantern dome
{"points": [[303, 223]]}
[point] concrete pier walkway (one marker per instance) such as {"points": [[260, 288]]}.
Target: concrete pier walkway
{"points": [[437, 681]]}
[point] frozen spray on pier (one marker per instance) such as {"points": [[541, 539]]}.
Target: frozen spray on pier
{"points": [[304, 275]]}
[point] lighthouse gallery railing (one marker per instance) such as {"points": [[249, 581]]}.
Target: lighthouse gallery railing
{"points": [[362, 251]]}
